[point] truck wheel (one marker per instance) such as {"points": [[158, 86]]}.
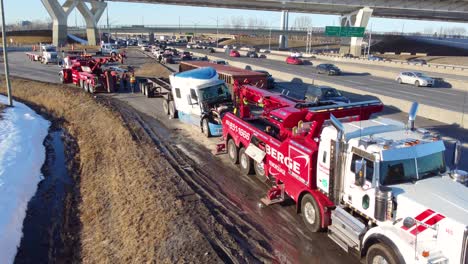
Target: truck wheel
{"points": [[90, 88], [86, 85], [81, 84], [62, 80], [166, 107], [246, 164], [260, 170], [113, 54], [416, 83], [310, 213], [233, 151], [172, 110], [206, 127], [381, 253]]}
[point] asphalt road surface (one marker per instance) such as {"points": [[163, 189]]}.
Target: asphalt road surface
{"points": [[445, 98]]}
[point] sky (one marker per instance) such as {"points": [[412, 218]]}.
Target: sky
{"points": [[156, 14]]}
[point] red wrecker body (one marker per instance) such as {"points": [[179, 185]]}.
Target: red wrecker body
{"points": [[87, 73], [281, 143]]}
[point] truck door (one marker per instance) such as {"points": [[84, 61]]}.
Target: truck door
{"points": [[323, 166], [360, 191], [195, 107]]}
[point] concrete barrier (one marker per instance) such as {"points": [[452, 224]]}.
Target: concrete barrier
{"points": [[427, 111]]}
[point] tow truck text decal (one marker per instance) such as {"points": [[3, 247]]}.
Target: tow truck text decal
{"points": [[243, 133], [287, 161]]}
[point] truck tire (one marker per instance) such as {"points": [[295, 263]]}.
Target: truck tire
{"points": [[81, 84], [172, 110], [245, 162], [259, 169], [381, 253], [87, 85], [310, 213], [62, 80], [166, 106], [233, 151], [90, 88], [206, 127]]}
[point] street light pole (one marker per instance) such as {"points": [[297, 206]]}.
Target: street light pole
{"points": [[217, 32], [5, 57], [370, 40], [269, 39]]}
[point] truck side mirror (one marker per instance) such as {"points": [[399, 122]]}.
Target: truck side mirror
{"points": [[360, 172], [457, 154]]}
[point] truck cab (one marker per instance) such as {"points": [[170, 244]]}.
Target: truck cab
{"points": [[49, 54], [200, 99], [109, 49], [398, 200]]}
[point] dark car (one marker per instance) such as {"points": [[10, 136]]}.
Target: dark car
{"points": [[329, 69], [348, 55], [325, 93], [375, 58], [186, 56], [270, 79], [167, 59], [252, 54], [417, 62]]}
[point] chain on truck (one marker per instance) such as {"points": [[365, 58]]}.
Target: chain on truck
{"points": [[381, 188]]}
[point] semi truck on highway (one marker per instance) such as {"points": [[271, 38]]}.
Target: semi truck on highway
{"points": [[382, 189], [46, 54], [196, 97]]}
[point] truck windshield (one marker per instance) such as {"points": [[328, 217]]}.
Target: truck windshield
{"points": [[220, 91], [410, 170]]}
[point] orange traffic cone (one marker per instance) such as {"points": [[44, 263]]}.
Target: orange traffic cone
{"points": [[73, 47]]}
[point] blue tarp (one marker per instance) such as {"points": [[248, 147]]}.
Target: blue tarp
{"points": [[204, 73], [77, 39]]}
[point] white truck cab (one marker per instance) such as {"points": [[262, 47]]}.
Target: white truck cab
{"points": [[109, 49], [48, 54], [397, 201], [200, 97]]}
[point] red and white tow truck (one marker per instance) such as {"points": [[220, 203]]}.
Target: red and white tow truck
{"points": [[88, 73], [382, 189]]}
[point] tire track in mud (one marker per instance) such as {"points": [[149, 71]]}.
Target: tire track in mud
{"points": [[250, 245]]}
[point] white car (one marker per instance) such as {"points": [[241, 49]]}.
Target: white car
{"points": [[416, 78], [296, 54]]}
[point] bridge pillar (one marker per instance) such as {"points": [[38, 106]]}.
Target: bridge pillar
{"points": [[151, 38], [59, 14], [359, 18], [92, 17], [283, 39]]}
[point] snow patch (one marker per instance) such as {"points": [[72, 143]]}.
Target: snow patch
{"points": [[22, 154]]}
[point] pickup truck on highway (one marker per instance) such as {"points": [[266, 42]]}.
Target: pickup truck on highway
{"points": [[47, 54]]}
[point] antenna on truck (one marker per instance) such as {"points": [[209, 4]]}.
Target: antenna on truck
{"points": [[412, 115]]}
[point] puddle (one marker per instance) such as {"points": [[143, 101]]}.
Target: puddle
{"points": [[42, 240]]}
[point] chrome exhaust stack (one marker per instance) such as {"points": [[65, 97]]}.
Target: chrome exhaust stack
{"points": [[412, 115], [338, 181]]}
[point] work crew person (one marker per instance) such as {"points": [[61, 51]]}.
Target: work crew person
{"points": [[132, 81], [124, 81]]}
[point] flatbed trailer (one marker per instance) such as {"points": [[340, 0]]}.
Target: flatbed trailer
{"points": [[155, 87]]}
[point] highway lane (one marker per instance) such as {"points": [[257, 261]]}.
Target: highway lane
{"points": [[439, 97]]}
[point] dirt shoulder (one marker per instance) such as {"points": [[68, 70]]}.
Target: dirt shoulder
{"points": [[129, 199]]}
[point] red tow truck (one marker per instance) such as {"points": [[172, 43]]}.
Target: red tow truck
{"points": [[88, 73]]}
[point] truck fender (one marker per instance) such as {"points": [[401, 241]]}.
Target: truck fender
{"points": [[387, 235], [323, 203], [204, 115]]}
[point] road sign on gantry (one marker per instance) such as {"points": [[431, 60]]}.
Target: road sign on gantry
{"points": [[344, 31]]}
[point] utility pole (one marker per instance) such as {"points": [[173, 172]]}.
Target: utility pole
{"points": [[370, 40], [269, 39], [108, 27], [5, 57], [217, 31]]}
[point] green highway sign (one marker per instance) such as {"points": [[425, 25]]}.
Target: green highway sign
{"points": [[344, 31]]}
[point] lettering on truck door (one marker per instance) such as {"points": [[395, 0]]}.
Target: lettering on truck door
{"points": [[298, 164]]}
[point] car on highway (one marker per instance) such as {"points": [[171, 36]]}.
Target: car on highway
{"points": [[270, 79], [375, 58], [296, 54], [167, 58], [186, 55], [294, 60], [234, 53], [328, 68], [227, 47], [220, 62], [348, 55], [416, 78], [417, 62], [252, 54], [324, 93]]}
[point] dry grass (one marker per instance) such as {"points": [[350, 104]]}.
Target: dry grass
{"points": [[29, 40], [152, 70], [450, 60], [129, 207]]}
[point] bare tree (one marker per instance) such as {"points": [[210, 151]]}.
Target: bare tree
{"points": [[302, 23], [428, 30], [237, 22]]}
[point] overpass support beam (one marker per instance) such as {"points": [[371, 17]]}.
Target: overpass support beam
{"points": [[59, 14], [151, 38], [92, 17], [283, 39], [359, 18]]}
